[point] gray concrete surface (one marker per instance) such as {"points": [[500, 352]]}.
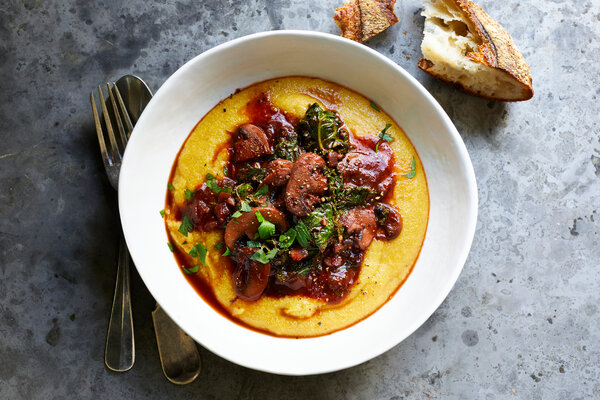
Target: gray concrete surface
{"points": [[522, 321]]}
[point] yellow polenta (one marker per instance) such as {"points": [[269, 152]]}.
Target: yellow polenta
{"points": [[386, 264]]}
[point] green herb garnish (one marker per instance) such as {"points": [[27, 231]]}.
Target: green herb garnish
{"points": [[266, 229], [219, 246], [199, 251], [375, 107], [188, 194], [384, 136], [263, 257], [245, 207], [262, 191], [226, 252], [243, 190], [170, 187], [212, 185], [252, 243], [303, 236], [162, 213], [191, 270], [72, 317], [237, 214], [170, 247], [413, 169], [287, 239], [186, 226]]}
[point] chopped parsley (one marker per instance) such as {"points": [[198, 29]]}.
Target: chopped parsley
{"points": [[262, 191], [170, 247], [170, 187], [237, 214], [375, 107], [212, 185], [243, 190], [263, 257], [211, 182], [266, 229], [384, 136], [245, 207], [199, 251], [188, 194], [191, 270], [226, 252], [186, 226], [413, 169], [287, 239], [302, 234], [162, 213], [72, 317], [252, 243]]}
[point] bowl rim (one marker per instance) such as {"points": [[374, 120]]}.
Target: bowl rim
{"points": [[460, 149]]}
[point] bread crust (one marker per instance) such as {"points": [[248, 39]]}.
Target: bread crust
{"points": [[497, 50], [360, 20]]}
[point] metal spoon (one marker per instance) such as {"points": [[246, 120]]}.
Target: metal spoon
{"points": [[178, 353]]}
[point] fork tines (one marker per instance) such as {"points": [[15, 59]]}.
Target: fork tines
{"points": [[118, 117]]}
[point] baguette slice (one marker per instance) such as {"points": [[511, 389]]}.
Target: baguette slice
{"points": [[360, 20], [466, 48]]}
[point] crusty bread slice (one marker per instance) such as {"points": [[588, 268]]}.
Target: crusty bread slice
{"points": [[466, 48], [360, 20]]}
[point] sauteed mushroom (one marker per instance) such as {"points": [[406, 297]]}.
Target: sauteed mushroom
{"points": [[307, 182]]}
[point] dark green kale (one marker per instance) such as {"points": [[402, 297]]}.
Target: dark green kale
{"points": [[354, 196], [251, 174], [321, 225], [346, 197], [320, 131], [287, 146]]}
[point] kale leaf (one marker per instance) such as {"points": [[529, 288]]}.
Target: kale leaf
{"points": [[251, 174], [321, 225], [320, 131], [354, 196], [346, 197], [287, 145]]}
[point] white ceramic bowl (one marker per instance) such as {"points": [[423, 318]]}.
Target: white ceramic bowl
{"points": [[193, 90]]}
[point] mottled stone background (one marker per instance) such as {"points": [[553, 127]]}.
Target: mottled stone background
{"points": [[522, 321]]}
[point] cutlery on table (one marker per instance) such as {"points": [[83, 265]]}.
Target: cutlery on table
{"points": [[179, 355]]}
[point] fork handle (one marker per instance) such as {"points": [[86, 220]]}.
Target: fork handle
{"points": [[119, 353]]}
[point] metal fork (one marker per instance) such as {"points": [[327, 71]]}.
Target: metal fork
{"points": [[119, 354]]}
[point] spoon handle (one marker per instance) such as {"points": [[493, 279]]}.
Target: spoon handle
{"points": [[119, 353], [178, 353]]}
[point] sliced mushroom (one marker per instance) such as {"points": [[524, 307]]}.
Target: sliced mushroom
{"points": [[250, 277], [251, 143], [279, 171], [364, 168], [306, 184], [389, 219], [247, 224]]}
